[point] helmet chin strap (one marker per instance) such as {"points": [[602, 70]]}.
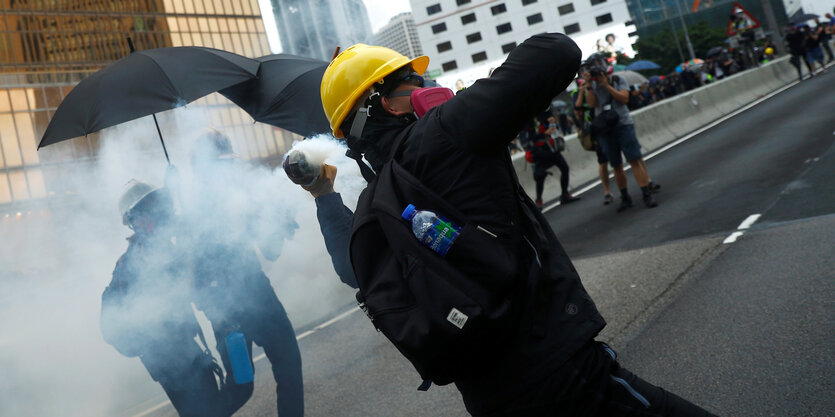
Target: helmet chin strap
{"points": [[356, 144]]}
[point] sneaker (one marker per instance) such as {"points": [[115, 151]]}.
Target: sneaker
{"points": [[625, 203], [654, 187], [539, 203], [649, 201], [608, 199], [568, 198]]}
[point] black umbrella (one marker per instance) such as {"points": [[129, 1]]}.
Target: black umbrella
{"points": [[716, 50], [800, 18], [144, 83], [285, 94]]}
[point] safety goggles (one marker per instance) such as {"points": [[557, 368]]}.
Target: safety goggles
{"points": [[407, 79]]}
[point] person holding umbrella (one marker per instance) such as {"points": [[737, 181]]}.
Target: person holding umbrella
{"points": [[224, 225]]}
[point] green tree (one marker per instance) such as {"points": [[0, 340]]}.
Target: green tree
{"points": [[661, 47]]}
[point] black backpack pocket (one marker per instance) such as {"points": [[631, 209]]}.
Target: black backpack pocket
{"points": [[447, 315]]}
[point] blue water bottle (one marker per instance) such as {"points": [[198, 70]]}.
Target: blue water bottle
{"points": [[436, 232], [239, 357]]}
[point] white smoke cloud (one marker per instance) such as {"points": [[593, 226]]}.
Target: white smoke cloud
{"points": [[58, 259]]}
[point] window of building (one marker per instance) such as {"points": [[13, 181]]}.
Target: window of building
{"points": [[566, 9], [462, 2], [440, 27], [534, 18], [436, 8], [527, 2], [506, 48], [572, 28], [444, 46], [449, 66], [474, 37], [480, 56], [468, 18], [596, 2], [603, 19], [498, 9], [503, 28]]}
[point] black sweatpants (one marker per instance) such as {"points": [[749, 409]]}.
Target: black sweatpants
{"points": [[540, 172], [593, 384]]}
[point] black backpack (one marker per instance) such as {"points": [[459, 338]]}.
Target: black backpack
{"points": [[447, 315]]}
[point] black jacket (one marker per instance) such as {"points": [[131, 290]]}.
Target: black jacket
{"points": [[459, 150]]}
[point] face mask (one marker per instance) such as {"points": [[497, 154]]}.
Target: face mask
{"points": [[424, 99]]}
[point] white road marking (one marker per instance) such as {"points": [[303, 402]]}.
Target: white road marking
{"points": [[749, 221], [742, 226], [262, 356], [732, 238]]}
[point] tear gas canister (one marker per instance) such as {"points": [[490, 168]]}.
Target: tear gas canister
{"points": [[239, 357], [298, 168]]}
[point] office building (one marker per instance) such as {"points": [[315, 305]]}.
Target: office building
{"points": [[400, 34], [314, 28], [465, 37], [48, 47]]}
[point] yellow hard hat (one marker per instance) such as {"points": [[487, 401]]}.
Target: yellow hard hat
{"points": [[353, 72], [769, 51]]}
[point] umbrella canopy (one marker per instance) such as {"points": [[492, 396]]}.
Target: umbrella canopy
{"points": [[558, 104], [632, 77], [695, 64], [655, 79], [285, 94], [144, 83], [800, 18], [716, 50], [642, 65]]}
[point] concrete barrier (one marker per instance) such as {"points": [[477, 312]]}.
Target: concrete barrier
{"points": [[670, 119]]}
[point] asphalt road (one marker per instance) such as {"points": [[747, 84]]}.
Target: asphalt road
{"points": [[744, 328]]}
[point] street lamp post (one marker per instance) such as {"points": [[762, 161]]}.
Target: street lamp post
{"points": [[686, 35]]}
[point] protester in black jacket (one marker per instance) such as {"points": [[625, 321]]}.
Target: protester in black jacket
{"points": [[542, 142], [146, 310], [459, 151]]}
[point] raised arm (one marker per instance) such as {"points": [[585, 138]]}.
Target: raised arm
{"points": [[489, 114], [335, 221]]}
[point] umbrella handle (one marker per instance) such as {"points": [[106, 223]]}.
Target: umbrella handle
{"points": [[161, 140]]}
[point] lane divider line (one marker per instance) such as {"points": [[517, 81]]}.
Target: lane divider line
{"points": [[262, 356], [740, 230], [732, 238], [683, 139], [749, 221]]}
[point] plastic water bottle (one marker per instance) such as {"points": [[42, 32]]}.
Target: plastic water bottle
{"points": [[436, 232], [239, 357]]}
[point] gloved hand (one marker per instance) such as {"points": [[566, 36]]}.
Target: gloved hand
{"points": [[324, 184]]}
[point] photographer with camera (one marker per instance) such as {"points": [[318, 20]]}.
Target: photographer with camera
{"points": [[615, 130]]}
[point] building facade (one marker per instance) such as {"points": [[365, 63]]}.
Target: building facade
{"points": [[460, 35], [314, 28], [48, 47], [401, 35]]}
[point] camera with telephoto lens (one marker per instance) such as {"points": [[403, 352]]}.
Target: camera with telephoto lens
{"points": [[597, 71]]}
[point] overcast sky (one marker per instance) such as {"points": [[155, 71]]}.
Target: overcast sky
{"points": [[379, 12]]}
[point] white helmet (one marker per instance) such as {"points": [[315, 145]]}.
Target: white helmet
{"points": [[135, 191]]}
